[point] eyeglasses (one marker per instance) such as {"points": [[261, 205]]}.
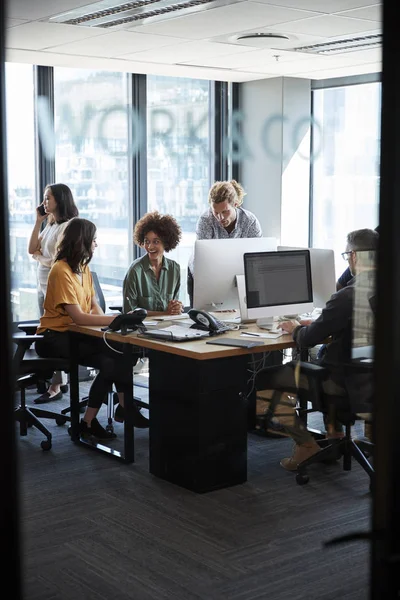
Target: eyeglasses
{"points": [[346, 255]]}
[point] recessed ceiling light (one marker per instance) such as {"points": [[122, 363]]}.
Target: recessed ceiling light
{"points": [[261, 40]]}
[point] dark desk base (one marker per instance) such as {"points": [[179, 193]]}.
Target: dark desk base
{"points": [[198, 421]]}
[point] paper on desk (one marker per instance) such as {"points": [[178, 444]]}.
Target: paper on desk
{"points": [[268, 336], [149, 322]]}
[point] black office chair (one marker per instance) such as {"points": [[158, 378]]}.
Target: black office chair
{"points": [[29, 368], [344, 447]]}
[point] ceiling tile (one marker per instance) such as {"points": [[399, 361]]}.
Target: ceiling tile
{"points": [[371, 13], [114, 44], [226, 19], [188, 51], [38, 9], [13, 23], [251, 59], [36, 36], [322, 6], [341, 71], [327, 26]]}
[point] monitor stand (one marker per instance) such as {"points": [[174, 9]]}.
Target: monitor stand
{"points": [[265, 323], [241, 288]]}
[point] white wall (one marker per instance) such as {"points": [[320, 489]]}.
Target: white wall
{"points": [[275, 153]]}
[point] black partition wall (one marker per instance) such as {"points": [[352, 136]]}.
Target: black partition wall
{"points": [[9, 516], [385, 574]]}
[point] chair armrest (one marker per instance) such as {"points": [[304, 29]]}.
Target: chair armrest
{"points": [[28, 328], [119, 308], [312, 370]]}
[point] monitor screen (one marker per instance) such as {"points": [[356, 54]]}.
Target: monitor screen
{"points": [[217, 262], [278, 279]]}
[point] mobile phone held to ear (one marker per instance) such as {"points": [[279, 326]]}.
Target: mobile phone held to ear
{"points": [[41, 210], [129, 321]]}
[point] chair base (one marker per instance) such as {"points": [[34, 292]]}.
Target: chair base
{"points": [[26, 418], [334, 449]]}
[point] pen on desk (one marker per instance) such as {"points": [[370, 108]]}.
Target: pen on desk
{"points": [[251, 333]]}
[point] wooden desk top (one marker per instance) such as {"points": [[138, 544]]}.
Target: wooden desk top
{"points": [[197, 349]]}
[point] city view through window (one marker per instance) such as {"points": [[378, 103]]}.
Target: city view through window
{"points": [[178, 156], [346, 177], [21, 188], [93, 150]]}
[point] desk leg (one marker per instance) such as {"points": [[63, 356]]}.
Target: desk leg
{"points": [[129, 436], [74, 386], [198, 421]]}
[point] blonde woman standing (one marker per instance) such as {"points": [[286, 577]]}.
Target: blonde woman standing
{"points": [[58, 207]]}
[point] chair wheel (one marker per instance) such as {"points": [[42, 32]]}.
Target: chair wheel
{"points": [[61, 420], [110, 428], [302, 479], [45, 445]]}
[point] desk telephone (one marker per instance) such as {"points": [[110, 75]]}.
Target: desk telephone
{"points": [[128, 321], [206, 322]]}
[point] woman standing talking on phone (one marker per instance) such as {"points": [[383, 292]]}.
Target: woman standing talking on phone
{"points": [[58, 207]]}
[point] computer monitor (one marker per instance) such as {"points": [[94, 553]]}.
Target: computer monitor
{"points": [[322, 273], [277, 284], [216, 264]]}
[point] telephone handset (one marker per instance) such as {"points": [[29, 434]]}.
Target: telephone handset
{"points": [[203, 320]]}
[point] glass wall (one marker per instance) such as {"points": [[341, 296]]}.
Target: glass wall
{"points": [[178, 156], [91, 125], [21, 188], [345, 171]]}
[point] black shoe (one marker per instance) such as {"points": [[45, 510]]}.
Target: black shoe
{"points": [[139, 420], [64, 388], [44, 398], [95, 430]]}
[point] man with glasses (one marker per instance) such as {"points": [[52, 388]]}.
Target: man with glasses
{"points": [[346, 276], [335, 322]]}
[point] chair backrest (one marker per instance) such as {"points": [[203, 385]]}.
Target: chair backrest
{"points": [[98, 291]]}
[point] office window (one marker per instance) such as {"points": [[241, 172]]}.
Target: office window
{"points": [[178, 156], [91, 124], [22, 199], [345, 170]]}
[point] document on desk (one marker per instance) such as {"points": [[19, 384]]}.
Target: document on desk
{"points": [[170, 317], [176, 333], [267, 335]]}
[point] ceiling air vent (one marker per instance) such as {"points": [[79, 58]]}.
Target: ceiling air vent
{"points": [[111, 14], [365, 42]]}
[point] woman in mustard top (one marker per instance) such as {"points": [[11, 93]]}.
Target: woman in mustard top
{"points": [[71, 299]]}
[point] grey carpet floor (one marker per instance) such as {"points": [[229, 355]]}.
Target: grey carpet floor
{"points": [[95, 529]]}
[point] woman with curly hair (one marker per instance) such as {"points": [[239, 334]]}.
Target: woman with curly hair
{"points": [[70, 298], [153, 281]]}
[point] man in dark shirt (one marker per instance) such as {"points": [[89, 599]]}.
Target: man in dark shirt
{"points": [[335, 322]]}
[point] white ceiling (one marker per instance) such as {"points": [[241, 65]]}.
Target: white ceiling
{"points": [[203, 44]]}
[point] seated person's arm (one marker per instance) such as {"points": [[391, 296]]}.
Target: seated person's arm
{"points": [[204, 229], [131, 300], [333, 319], [95, 309], [81, 318], [255, 229]]}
